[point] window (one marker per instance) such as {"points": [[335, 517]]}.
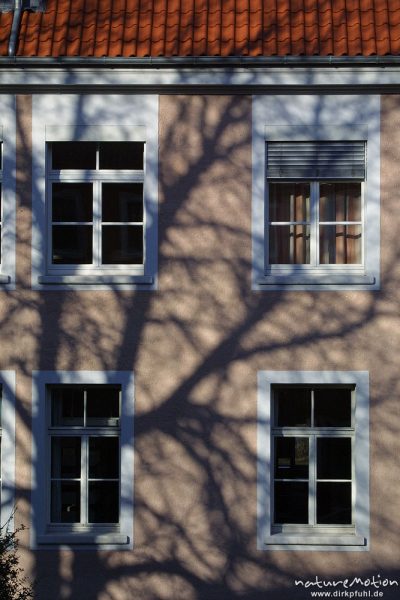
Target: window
{"points": [[7, 446], [316, 214], [87, 454], [96, 192], [95, 206], [315, 223], [316, 467]]}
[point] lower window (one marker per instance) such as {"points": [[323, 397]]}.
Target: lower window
{"points": [[315, 459], [88, 492]]}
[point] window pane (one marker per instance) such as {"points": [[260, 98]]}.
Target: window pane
{"points": [[73, 155], [104, 457], [72, 244], [102, 407], [292, 407], [66, 406], [332, 407], [121, 155], [72, 202], [334, 458], [66, 457], [65, 502], [291, 458], [290, 502], [122, 202], [289, 244], [289, 202], [334, 503], [340, 244], [340, 202], [122, 244], [103, 502]]}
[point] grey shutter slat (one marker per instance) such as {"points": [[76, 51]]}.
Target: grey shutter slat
{"points": [[316, 160]]}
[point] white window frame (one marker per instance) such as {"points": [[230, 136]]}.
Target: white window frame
{"points": [[43, 532], [123, 118], [7, 432], [8, 191], [95, 177], [354, 538], [316, 118]]}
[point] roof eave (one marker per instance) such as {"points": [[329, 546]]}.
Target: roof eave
{"points": [[201, 61]]}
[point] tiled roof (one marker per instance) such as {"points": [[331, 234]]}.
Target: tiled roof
{"points": [[140, 28]]}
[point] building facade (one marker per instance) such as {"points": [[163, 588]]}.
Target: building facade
{"points": [[199, 298]]}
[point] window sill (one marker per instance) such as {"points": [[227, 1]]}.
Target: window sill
{"points": [[95, 279], [315, 540], [316, 280], [87, 539]]}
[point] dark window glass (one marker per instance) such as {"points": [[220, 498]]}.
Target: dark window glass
{"points": [[72, 202], [72, 244], [122, 244], [67, 406], [103, 501], [102, 406], [121, 155], [333, 503], [65, 457], [122, 202], [291, 502], [103, 457], [73, 155], [292, 407], [334, 458], [65, 502], [332, 407], [291, 458]]}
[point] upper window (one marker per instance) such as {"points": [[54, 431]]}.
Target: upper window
{"points": [[315, 193], [96, 212], [315, 206], [85, 446], [317, 467], [95, 191]]}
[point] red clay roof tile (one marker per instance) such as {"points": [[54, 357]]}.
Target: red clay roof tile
{"points": [[140, 28]]}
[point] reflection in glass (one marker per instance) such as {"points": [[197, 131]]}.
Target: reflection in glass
{"points": [[340, 201], [65, 502], [103, 457], [67, 406], [122, 244], [289, 244], [291, 457], [73, 155], [103, 501], [292, 407], [290, 502], [72, 244], [334, 503], [289, 202], [334, 458], [332, 407], [122, 202], [340, 244]]}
